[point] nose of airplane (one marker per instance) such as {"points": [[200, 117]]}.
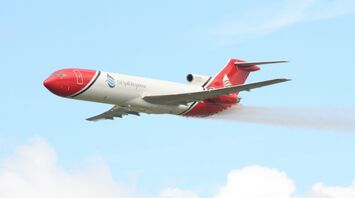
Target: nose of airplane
{"points": [[52, 85], [69, 82]]}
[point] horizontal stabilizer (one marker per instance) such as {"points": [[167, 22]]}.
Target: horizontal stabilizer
{"points": [[249, 64]]}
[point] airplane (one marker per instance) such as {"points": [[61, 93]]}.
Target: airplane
{"points": [[131, 95]]}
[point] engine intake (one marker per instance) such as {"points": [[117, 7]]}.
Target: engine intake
{"points": [[197, 79]]}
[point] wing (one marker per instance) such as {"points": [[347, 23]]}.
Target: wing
{"points": [[184, 98], [115, 111]]}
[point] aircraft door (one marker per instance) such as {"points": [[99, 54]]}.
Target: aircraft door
{"points": [[79, 77]]}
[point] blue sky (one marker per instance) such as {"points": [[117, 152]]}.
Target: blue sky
{"points": [[156, 154]]}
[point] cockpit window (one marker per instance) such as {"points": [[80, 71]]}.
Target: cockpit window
{"points": [[59, 74]]}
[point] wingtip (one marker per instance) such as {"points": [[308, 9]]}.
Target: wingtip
{"points": [[283, 79], [282, 61]]}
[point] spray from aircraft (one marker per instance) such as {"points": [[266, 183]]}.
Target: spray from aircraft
{"points": [[332, 119]]}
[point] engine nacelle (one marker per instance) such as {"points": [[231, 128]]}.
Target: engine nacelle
{"points": [[196, 79]]}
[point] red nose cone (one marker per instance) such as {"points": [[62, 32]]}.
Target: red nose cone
{"points": [[69, 82], [54, 86]]}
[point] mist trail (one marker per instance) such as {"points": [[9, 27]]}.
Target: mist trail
{"points": [[332, 119]]}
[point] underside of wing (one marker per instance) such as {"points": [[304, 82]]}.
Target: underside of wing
{"points": [[114, 112], [184, 98]]}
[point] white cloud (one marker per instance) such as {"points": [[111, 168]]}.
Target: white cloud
{"points": [[33, 172], [257, 182], [263, 182], [266, 18], [320, 190]]}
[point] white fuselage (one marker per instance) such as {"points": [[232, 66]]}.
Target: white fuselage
{"points": [[125, 90]]}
